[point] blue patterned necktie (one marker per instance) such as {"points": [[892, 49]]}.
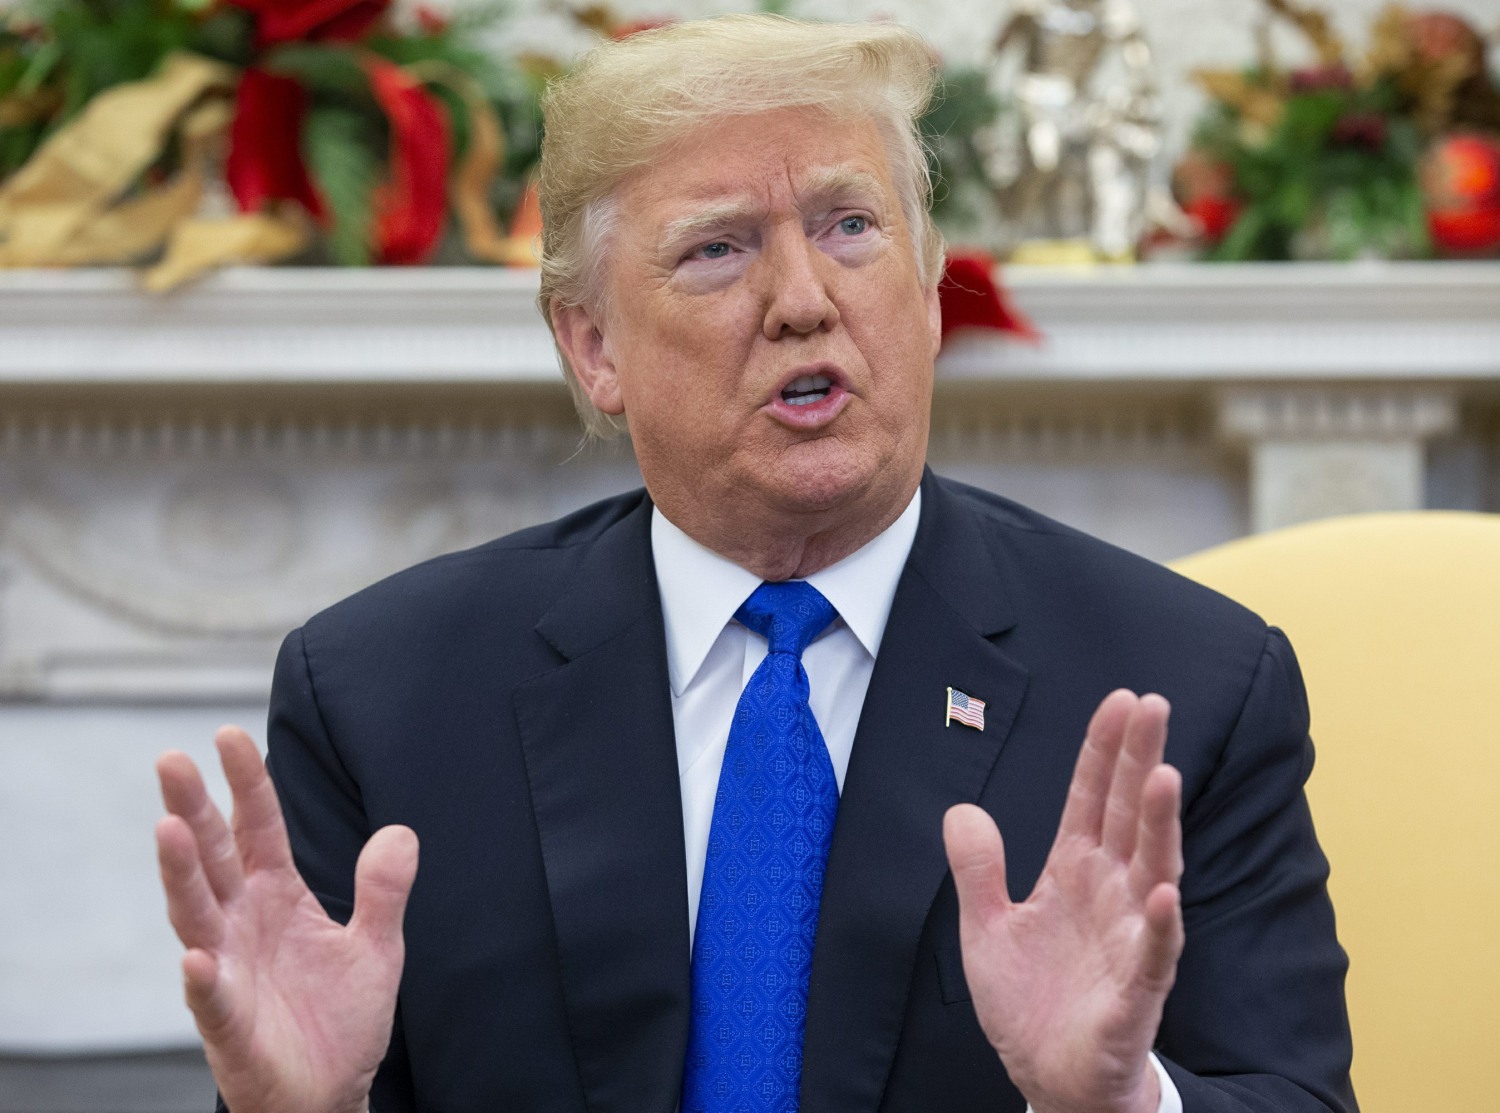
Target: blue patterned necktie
{"points": [[763, 879]]}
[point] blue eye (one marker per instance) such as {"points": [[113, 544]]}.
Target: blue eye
{"points": [[716, 250], [853, 225]]}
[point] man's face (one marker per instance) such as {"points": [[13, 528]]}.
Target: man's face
{"points": [[767, 336]]}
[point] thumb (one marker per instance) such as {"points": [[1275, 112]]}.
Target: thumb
{"points": [[382, 881], [976, 856]]}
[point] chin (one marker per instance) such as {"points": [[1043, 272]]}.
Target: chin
{"points": [[827, 481]]}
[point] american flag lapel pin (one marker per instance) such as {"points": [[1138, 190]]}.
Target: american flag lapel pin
{"points": [[965, 708]]}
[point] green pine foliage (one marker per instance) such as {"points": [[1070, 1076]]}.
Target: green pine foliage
{"points": [[344, 138], [323, 69], [963, 106], [1335, 178], [339, 145], [20, 75]]}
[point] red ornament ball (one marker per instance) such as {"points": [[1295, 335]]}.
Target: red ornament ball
{"points": [[1461, 182]]}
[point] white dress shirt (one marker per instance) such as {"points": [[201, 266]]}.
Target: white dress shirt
{"points": [[710, 658]]}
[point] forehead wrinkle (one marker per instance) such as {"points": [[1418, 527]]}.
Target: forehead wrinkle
{"points": [[708, 219], [820, 186]]}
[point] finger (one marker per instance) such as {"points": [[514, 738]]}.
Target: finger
{"points": [[1083, 814], [976, 855], [259, 830], [183, 794], [1162, 939], [383, 878], [192, 906], [1140, 752], [206, 994], [1158, 848]]}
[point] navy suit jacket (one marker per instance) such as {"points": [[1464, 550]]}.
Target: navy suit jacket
{"points": [[511, 704]]}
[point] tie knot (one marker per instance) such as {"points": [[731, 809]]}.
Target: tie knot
{"points": [[789, 615]]}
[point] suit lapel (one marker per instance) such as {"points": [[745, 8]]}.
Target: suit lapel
{"points": [[602, 764], [905, 771]]}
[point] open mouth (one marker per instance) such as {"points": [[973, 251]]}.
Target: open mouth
{"points": [[806, 389]]}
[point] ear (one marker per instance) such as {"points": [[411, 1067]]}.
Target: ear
{"points": [[934, 318], [582, 342]]}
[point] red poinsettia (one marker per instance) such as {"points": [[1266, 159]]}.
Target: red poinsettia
{"points": [[280, 21]]}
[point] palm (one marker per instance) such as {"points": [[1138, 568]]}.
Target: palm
{"points": [[295, 1009], [1069, 984]]}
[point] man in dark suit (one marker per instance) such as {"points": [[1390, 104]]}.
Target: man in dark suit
{"points": [[558, 715]]}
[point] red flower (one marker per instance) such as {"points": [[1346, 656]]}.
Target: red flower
{"points": [[280, 21]]}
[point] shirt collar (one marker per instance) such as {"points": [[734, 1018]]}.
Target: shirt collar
{"points": [[701, 590]]}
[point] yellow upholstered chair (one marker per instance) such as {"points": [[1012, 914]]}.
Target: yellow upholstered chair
{"points": [[1396, 620]]}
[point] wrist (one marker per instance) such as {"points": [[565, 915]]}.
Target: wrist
{"points": [[1145, 1096], [1149, 1089]]}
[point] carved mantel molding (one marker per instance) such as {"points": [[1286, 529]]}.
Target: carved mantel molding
{"points": [[182, 479], [1316, 451]]}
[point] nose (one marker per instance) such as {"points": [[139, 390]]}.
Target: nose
{"points": [[797, 292]]}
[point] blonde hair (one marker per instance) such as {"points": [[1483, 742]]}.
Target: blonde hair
{"points": [[624, 101]]}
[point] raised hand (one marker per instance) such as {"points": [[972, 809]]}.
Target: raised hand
{"points": [[1069, 984], [295, 1009]]}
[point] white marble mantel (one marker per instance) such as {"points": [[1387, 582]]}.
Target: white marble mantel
{"points": [[1163, 322], [183, 479]]}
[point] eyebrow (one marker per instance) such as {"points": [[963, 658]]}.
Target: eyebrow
{"points": [[834, 182], [706, 220], [841, 182]]}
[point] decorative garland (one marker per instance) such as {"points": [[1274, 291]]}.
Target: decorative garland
{"points": [[218, 131], [1395, 155], [205, 132]]}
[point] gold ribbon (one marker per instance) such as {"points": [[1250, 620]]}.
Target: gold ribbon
{"points": [[50, 208], [1254, 102], [203, 245], [72, 205], [1315, 27]]}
